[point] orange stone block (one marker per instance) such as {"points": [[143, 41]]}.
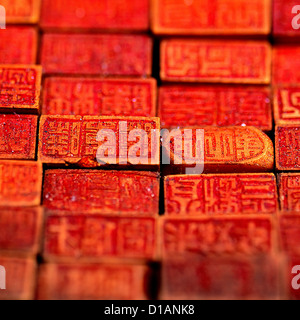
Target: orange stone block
{"points": [[222, 278], [97, 54], [230, 235], [20, 87], [286, 63], [22, 11], [229, 149], [221, 61], [20, 183], [82, 140], [89, 15], [289, 227], [94, 238], [18, 45], [287, 143], [228, 194], [211, 17], [18, 136], [286, 101], [92, 282], [20, 278], [289, 188], [21, 230], [99, 97], [102, 192], [197, 106]]}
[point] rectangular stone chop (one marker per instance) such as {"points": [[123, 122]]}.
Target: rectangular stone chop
{"points": [[90, 141], [99, 96], [211, 17], [20, 183], [217, 236], [289, 234], [91, 15], [23, 48], [286, 102], [20, 88], [97, 54], [215, 61], [289, 192], [102, 192], [285, 64], [197, 106], [22, 11], [21, 230], [20, 278], [93, 282], [97, 238], [18, 134], [226, 194], [287, 147], [223, 278]]}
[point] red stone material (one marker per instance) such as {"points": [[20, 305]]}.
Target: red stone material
{"points": [[21, 230], [90, 14], [18, 45], [286, 63], [246, 235], [283, 18], [97, 54], [290, 234], [18, 136], [211, 17], [228, 149], [196, 195], [20, 183], [286, 102], [224, 278], [92, 282], [199, 106], [289, 188], [73, 139], [20, 87], [287, 142], [102, 192], [20, 278], [220, 61], [93, 238], [22, 11], [99, 97]]}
